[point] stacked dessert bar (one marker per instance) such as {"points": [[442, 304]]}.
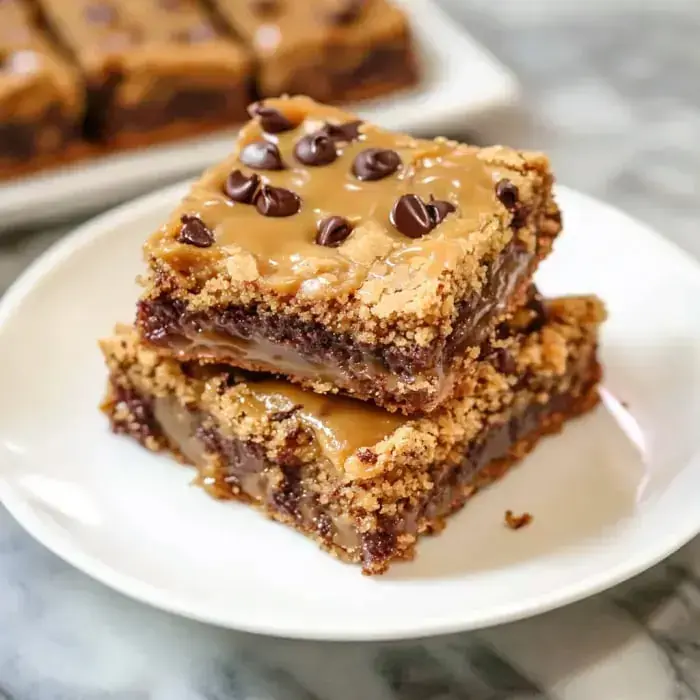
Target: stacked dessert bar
{"points": [[339, 327]]}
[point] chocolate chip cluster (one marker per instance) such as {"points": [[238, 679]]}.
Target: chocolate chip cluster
{"points": [[410, 215]]}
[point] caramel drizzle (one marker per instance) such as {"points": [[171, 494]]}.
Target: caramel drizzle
{"points": [[284, 253]]}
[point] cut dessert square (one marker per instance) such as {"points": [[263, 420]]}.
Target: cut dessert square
{"points": [[153, 70], [41, 103], [346, 257], [331, 50], [364, 483]]}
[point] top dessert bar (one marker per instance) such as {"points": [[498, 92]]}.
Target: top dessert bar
{"points": [[347, 257], [153, 68], [331, 50], [41, 102]]}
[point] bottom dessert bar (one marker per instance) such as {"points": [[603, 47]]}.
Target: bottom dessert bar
{"points": [[362, 482]]}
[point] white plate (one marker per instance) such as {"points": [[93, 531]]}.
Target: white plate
{"points": [[612, 495], [460, 81]]}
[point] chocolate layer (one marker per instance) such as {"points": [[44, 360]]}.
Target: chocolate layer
{"points": [[302, 349], [168, 102], [23, 140], [383, 69]]}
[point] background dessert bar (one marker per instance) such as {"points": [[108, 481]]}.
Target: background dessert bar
{"points": [[331, 50], [41, 94], [80, 78]]}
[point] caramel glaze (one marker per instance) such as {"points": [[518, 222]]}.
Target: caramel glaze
{"points": [[341, 425], [281, 252]]}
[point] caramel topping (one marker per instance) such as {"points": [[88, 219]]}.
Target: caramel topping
{"points": [[447, 177], [342, 426]]}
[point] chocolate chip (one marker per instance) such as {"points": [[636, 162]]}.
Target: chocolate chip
{"points": [[411, 216], [100, 13], [375, 164], [262, 155], [439, 209], [196, 34], [535, 305], [277, 202], [507, 194], [272, 120], [287, 413], [378, 546], [348, 132], [315, 149], [520, 216], [194, 232], [346, 11], [264, 8], [333, 231], [366, 456], [503, 361], [324, 526], [241, 188]]}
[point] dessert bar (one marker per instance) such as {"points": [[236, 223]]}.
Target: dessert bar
{"points": [[154, 69], [41, 103], [347, 257], [331, 50], [81, 78], [362, 482]]}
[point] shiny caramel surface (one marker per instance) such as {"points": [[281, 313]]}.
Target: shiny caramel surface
{"points": [[341, 425], [282, 252]]}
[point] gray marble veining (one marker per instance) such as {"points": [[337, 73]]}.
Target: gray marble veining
{"points": [[612, 94]]}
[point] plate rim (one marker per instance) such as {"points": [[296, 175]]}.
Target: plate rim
{"points": [[95, 567]]}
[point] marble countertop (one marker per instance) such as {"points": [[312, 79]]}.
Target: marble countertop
{"points": [[612, 95]]}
